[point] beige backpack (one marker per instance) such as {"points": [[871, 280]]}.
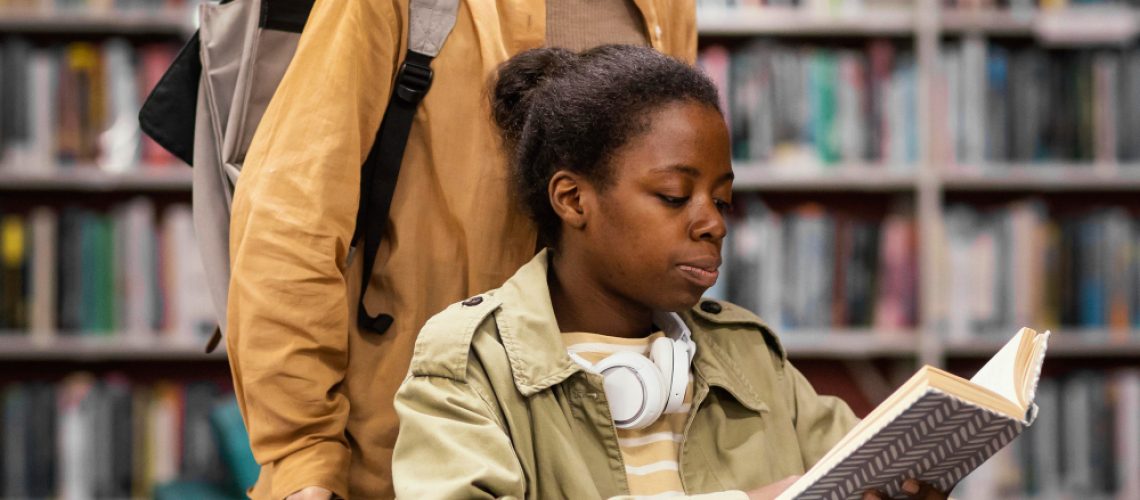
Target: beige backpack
{"points": [[225, 76]]}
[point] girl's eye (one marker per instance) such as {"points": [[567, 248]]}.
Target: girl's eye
{"points": [[675, 201], [724, 206]]}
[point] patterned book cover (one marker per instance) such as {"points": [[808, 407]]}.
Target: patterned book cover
{"points": [[937, 439]]}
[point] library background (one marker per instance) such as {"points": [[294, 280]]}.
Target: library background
{"points": [[916, 181]]}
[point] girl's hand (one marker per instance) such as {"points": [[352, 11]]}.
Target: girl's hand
{"points": [[914, 489], [772, 490]]}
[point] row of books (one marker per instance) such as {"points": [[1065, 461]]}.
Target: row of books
{"points": [[807, 105], [77, 104], [132, 270], [84, 437], [812, 268], [1084, 444], [1018, 265], [1028, 104]]}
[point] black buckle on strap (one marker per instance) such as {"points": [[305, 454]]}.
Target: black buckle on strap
{"points": [[413, 81]]}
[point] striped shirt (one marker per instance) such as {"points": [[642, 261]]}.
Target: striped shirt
{"points": [[650, 454]]}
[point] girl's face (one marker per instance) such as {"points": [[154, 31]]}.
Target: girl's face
{"points": [[654, 235]]}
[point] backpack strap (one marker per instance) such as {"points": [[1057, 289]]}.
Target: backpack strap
{"points": [[429, 23]]}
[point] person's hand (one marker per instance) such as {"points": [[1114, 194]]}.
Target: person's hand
{"points": [[913, 489], [311, 493], [772, 490]]}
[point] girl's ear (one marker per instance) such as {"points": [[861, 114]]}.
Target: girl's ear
{"points": [[566, 190]]}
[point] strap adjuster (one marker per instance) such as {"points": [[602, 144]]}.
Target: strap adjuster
{"points": [[413, 81]]}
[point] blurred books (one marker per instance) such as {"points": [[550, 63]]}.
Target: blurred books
{"points": [[804, 106], [129, 273], [1016, 264], [111, 437], [75, 105]]}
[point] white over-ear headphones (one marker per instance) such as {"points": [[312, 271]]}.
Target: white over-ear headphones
{"points": [[639, 391]]}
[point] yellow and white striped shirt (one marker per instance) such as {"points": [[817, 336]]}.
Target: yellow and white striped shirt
{"points": [[650, 454]]}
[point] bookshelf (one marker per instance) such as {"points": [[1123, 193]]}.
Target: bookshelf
{"points": [[1091, 382], [1079, 344], [78, 349], [168, 22], [928, 181], [1054, 178], [851, 344], [136, 378], [173, 178], [928, 185], [925, 27], [813, 178], [795, 22], [1076, 26]]}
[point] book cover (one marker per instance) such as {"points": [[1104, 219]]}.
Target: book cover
{"points": [[936, 428], [13, 272], [44, 234], [15, 426]]}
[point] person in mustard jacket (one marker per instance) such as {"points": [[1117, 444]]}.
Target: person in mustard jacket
{"points": [[597, 370], [315, 391]]}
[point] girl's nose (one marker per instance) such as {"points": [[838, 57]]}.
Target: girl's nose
{"points": [[708, 224]]}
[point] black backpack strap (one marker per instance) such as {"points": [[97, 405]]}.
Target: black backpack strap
{"points": [[381, 169]]}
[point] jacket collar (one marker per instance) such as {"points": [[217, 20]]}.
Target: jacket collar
{"points": [[529, 330], [533, 342]]}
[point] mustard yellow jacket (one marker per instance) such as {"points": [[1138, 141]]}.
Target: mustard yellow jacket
{"points": [[316, 393], [494, 408]]}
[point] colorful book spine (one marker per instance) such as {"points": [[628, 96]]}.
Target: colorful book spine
{"points": [[811, 267], [818, 106], [1020, 264], [111, 437], [76, 104]]}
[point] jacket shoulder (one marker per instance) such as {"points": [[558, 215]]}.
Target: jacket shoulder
{"points": [[723, 315], [443, 346]]}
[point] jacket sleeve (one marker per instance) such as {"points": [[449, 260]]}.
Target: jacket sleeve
{"points": [[820, 421], [294, 212], [452, 444]]}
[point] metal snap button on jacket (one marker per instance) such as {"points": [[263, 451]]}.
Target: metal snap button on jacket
{"points": [[473, 301]]}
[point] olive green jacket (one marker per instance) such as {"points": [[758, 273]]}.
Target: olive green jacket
{"points": [[494, 408]]}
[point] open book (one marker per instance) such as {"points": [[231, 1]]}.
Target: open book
{"points": [[936, 428]]}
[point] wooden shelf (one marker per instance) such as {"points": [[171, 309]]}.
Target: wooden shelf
{"points": [[1045, 177], [119, 22], [1087, 25], [989, 22], [866, 178], [1075, 343], [849, 344], [794, 22], [89, 178], [16, 346]]}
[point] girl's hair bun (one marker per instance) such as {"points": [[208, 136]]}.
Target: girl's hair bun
{"points": [[515, 83], [557, 109]]}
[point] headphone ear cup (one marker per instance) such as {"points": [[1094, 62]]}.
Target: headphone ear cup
{"points": [[672, 359], [633, 386]]}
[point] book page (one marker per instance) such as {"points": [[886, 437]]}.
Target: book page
{"points": [[1033, 369], [1000, 372]]}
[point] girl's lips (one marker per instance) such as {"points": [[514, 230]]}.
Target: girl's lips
{"points": [[701, 276]]}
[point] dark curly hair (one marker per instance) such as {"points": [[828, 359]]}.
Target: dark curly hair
{"points": [[557, 109]]}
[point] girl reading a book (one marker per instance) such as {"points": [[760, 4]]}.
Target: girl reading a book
{"points": [[598, 370]]}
